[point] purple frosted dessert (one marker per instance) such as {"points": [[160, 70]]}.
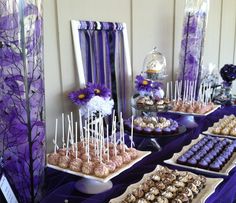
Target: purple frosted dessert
{"points": [[192, 162], [210, 156], [215, 166], [138, 129], [182, 160], [166, 130], [209, 153], [188, 154], [203, 164], [197, 157], [147, 130], [213, 153], [195, 148], [207, 159], [221, 159], [158, 131], [173, 129]]}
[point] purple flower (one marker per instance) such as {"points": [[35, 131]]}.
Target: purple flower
{"points": [[228, 72], [191, 59], [143, 84], [81, 97], [99, 90]]}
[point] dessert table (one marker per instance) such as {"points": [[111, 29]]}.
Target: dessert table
{"points": [[59, 186]]}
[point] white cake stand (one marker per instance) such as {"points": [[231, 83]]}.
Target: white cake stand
{"points": [[91, 186]]}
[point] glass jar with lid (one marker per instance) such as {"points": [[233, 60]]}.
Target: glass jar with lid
{"points": [[154, 66]]}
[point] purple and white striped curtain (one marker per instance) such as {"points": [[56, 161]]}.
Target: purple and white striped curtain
{"points": [[105, 58]]}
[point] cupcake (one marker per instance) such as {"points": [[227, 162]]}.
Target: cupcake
{"points": [[147, 130], [158, 131], [166, 131], [138, 129], [173, 129]]}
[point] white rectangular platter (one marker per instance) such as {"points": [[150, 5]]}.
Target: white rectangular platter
{"points": [[224, 171], [141, 155], [219, 135], [211, 184], [196, 114]]}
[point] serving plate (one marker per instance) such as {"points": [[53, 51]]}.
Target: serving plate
{"points": [[219, 135], [141, 155], [224, 171], [211, 184], [196, 114]]}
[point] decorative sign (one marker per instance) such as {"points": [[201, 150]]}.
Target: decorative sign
{"points": [[7, 191]]}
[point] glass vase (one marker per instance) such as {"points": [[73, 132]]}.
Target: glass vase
{"points": [[22, 123], [193, 37]]}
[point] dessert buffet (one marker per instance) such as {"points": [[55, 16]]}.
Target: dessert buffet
{"points": [[166, 185], [208, 154], [94, 156]]}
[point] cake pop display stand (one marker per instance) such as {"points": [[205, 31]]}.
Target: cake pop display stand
{"points": [[91, 186], [149, 144]]}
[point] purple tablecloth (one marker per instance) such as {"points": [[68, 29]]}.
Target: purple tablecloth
{"points": [[60, 186]]}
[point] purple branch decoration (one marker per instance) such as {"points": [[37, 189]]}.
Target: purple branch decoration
{"points": [[22, 105], [192, 44]]}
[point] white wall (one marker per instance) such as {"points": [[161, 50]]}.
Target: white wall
{"points": [[149, 22]]}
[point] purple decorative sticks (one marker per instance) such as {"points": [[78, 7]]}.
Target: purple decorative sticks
{"points": [[22, 124]]}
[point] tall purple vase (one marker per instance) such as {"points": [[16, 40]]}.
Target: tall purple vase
{"points": [[22, 121], [193, 37]]}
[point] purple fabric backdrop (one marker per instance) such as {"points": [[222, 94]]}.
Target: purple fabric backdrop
{"points": [[104, 60], [60, 186], [22, 125]]}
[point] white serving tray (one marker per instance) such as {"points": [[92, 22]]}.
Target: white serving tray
{"points": [[211, 184], [141, 155], [219, 135], [196, 114], [224, 171]]}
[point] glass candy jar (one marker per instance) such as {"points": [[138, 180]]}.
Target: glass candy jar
{"points": [[154, 65]]}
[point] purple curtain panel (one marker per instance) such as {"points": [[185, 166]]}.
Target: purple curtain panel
{"points": [[104, 59], [192, 43], [22, 121]]}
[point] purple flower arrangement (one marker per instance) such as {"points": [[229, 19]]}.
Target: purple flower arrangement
{"points": [[94, 98], [228, 73], [147, 87]]}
